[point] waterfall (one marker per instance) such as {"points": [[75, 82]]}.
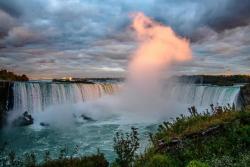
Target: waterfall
{"points": [[37, 96], [204, 95]]}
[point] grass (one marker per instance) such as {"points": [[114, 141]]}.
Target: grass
{"points": [[186, 141], [185, 125]]}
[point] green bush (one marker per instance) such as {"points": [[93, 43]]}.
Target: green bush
{"points": [[159, 160], [244, 160], [195, 163], [97, 160], [30, 159], [125, 146]]}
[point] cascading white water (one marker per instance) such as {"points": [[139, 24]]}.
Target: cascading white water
{"points": [[37, 96], [204, 95]]}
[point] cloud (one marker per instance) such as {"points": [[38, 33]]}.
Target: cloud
{"points": [[20, 35], [91, 37], [229, 49], [11, 7], [77, 19], [7, 22]]}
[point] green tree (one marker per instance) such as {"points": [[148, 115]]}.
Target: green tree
{"points": [[125, 146]]}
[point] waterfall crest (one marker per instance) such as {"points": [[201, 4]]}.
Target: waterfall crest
{"points": [[204, 95], [37, 96]]}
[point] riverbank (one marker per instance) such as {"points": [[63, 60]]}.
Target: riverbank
{"points": [[201, 140], [219, 80]]}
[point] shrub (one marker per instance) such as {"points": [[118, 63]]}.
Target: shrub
{"points": [[125, 146], [97, 160], [159, 160], [195, 163], [30, 159], [221, 161], [244, 159]]}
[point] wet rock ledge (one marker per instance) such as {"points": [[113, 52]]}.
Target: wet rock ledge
{"points": [[6, 95], [245, 95]]}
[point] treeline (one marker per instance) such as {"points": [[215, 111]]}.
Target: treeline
{"points": [[10, 76], [223, 80]]}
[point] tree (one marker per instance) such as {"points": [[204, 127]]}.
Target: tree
{"points": [[125, 146]]}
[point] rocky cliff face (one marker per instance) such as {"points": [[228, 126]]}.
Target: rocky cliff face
{"points": [[5, 95], [245, 95]]}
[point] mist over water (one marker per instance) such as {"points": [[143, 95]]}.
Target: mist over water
{"points": [[145, 99], [141, 98]]}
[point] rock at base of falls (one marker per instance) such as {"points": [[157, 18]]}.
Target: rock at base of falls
{"points": [[6, 95], [24, 120], [44, 124], [87, 118], [83, 119]]}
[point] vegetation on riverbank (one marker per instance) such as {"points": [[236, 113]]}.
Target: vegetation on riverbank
{"points": [[217, 138], [10, 76], [220, 80]]}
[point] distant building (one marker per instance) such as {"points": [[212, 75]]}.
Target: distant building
{"points": [[67, 78]]}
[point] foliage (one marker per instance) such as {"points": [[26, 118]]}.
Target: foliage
{"points": [[243, 160], [186, 139], [195, 163], [185, 125], [222, 80], [159, 160], [10, 76], [97, 160], [30, 159], [125, 146]]}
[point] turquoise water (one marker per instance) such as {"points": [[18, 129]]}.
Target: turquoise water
{"points": [[88, 137]]}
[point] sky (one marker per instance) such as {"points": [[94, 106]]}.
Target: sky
{"points": [[93, 38]]}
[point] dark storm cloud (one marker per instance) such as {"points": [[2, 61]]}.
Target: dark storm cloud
{"points": [[85, 37], [7, 22], [236, 14], [74, 19], [11, 7]]}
